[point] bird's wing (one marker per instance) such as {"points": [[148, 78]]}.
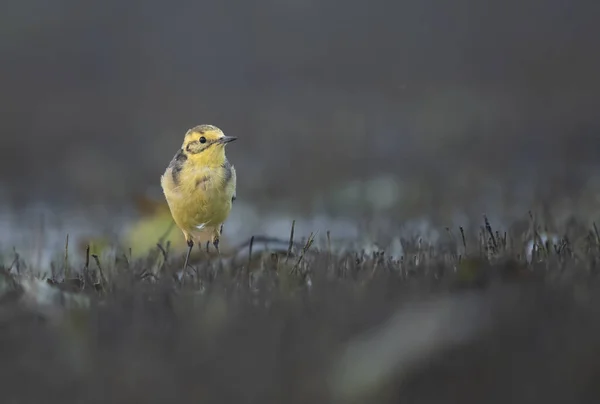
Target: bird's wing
{"points": [[234, 179]]}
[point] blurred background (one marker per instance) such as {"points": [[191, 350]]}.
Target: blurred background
{"points": [[344, 109]]}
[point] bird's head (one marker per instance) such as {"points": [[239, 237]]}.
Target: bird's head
{"points": [[205, 144]]}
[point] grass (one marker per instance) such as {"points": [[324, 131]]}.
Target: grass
{"points": [[471, 319]]}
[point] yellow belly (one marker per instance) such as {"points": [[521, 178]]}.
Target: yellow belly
{"points": [[198, 208], [201, 210]]}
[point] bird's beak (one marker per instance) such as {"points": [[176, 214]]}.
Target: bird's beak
{"points": [[227, 139]]}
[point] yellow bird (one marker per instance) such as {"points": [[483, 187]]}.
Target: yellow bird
{"points": [[200, 185]]}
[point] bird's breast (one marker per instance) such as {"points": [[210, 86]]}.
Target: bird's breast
{"points": [[199, 198]]}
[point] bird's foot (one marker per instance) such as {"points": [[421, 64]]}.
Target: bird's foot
{"points": [[216, 244]]}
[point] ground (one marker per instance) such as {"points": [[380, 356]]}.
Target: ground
{"points": [[469, 322]]}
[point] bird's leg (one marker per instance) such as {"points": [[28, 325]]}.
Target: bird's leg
{"points": [[215, 239], [190, 244]]}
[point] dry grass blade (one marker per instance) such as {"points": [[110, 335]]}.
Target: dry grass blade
{"points": [[166, 233], [87, 257], [66, 268], [15, 262], [309, 242], [163, 251], [250, 248], [488, 228], [464, 240], [102, 277], [597, 235], [291, 244]]}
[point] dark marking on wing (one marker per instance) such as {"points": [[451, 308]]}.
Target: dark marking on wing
{"points": [[228, 171], [228, 175], [176, 165]]}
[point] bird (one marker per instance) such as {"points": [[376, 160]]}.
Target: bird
{"points": [[199, 185]]}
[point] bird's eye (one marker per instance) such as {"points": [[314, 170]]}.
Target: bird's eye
{"points": [[202, 139]]}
